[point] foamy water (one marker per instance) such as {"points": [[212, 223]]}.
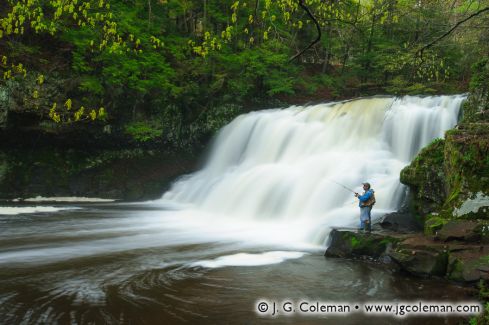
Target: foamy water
{"points": [[281, 167], [13, 210], [244, 259], [63, 199], [270, 180]]}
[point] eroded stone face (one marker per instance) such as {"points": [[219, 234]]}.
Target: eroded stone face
{"points": [[479, 204], [464, 230]]}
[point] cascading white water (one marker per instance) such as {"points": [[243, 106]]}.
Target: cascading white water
{"points": [[279, 167]]}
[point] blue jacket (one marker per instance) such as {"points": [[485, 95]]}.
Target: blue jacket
{"points": [[363, 198]]}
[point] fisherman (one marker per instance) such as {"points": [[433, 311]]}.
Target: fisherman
{"points": [[366, 202]]}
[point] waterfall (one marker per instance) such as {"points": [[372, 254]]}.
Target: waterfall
{"points": [[280, 166]]}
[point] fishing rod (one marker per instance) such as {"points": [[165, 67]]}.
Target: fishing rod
{"points": [[346, 188]]}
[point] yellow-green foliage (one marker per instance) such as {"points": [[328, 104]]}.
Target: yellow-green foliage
{"points": [[144, 131], [38, 17]]}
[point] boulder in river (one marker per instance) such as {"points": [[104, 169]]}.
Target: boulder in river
{"points": [[355, 244], [422, 261]]}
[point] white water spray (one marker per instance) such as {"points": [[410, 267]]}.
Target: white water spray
{"points": [[276, 168]]}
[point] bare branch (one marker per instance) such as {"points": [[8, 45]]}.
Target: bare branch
{"points": [[257, 2], [427, 46], [318, 27]]}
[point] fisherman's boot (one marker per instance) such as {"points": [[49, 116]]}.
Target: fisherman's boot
{"points": [[362, 227], [368, 226]]}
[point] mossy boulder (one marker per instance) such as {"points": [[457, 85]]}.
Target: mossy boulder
{"points": [[462, 269], [467, 169], [433, 224], [450, 177], [426, 178], [344, 243], [425, 261]]}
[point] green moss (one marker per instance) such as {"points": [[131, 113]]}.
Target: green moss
{"points": [[448, 172], [455, 191], [144, 131], [456, 270], [476, 108], [389, 240], [483, 318], [369, 245], [426, 177], [355, 242], [466, 162], [433, 223]]}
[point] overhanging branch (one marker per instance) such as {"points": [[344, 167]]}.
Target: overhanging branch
{"points": [[427, 46], [318, 27]]}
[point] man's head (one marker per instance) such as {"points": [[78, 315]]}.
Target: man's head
{"points": [[366, 186]]}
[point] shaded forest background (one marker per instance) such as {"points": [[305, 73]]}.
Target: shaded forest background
{"points": [[171, 72]]}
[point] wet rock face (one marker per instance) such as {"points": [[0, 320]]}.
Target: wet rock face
{"points": [[451, 177], [353, 244], [426, 178], [403, 222]]}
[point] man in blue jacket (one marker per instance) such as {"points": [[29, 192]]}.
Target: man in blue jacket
{"points": [[366, 202]]}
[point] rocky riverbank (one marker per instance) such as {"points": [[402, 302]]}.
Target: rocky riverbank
{"points": [[458, 252]]}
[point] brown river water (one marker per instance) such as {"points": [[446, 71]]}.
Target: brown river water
{"points": [[144, 264]]}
